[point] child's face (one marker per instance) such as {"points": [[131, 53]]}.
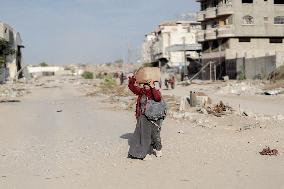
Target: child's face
{"points": [[146, 86]]}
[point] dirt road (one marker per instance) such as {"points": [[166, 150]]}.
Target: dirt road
{"points": [[58, 138]]}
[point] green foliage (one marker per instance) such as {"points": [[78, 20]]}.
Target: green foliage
{"points": [[242, 76], [5, 50], [88, 75], [43, 64], [100, 75], [108, 82], [118, 61]]}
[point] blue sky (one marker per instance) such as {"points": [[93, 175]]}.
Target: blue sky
{"points": [[86, 31]]}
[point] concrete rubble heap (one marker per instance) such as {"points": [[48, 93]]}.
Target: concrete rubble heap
{"points": [[13, 90]]}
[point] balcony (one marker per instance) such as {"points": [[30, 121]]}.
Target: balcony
{"points": [[201, 36], [226, 31], [210, 34], [210, 13], [224, 9], [201, 16]]}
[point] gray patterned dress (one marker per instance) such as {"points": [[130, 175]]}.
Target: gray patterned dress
{"points": [[146, 136]]}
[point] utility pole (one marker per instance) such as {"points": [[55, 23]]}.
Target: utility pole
{"points": [[127, 58], [210, 71], [184, 55], [215, 77]]}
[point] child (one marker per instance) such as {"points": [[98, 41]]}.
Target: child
{"points": [[146, 136]]}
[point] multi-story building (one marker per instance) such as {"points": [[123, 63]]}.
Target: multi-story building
{"points": [[242, 38], [13, 62], [172, 43], [147, 48]]}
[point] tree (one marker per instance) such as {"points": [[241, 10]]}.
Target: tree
{"points": [[43, 64], [5, 50]]}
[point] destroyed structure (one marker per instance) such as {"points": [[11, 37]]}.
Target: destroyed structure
{"points": [[173, 44], [242, 38], [13, 62]]}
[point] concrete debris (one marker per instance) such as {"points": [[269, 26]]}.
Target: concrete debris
{"points": [[242, 88], [274, 92], [278, 117], [13, 90], [204, 123], [253, 125], [184, 103], [198, 99], [180, 115], [226, 78], [269, 152]]}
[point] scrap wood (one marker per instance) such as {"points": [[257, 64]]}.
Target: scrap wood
{"points": [[219, 109], [268, 152]]}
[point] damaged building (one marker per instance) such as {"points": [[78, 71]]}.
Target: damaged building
{"points": [[242, 38], [173, 44], [13, 63]]}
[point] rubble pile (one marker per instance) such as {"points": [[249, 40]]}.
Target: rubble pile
{"points": [[217, 110], [268, 152], [242, 88], [278, 74], [13, 90]]}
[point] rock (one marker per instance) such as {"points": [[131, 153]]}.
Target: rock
{"points": [[272, 92], [180, 115], [280, 117], [226, 78]]}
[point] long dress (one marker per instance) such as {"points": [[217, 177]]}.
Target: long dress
{"points": [[146, 135]]}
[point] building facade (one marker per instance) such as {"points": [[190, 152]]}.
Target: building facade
{"points": [[168, 44], [13, 62], [242, 38]]}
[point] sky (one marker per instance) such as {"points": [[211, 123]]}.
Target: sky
{"points": [[86, 31]]}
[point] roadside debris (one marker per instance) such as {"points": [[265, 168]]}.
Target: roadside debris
{"points": [[13, 90], [268, 152], [199, 99], [6, 101], [274, 92], [217, 110], [242, 88]]}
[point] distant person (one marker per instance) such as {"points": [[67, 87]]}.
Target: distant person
{"points": [[115, 75], [182, 76], [146, 138], [121, 78], [170, 82]]}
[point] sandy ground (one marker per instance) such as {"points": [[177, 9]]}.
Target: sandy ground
{"points": [[58, 138]]}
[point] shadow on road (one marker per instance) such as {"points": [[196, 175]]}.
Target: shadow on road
{"points": [[127, 136]]}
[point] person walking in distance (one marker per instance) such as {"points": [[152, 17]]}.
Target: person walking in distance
{"points": [[146, 138]]}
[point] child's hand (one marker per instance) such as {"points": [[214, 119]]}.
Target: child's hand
{"points": [[151, 83], [132, 79]]}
